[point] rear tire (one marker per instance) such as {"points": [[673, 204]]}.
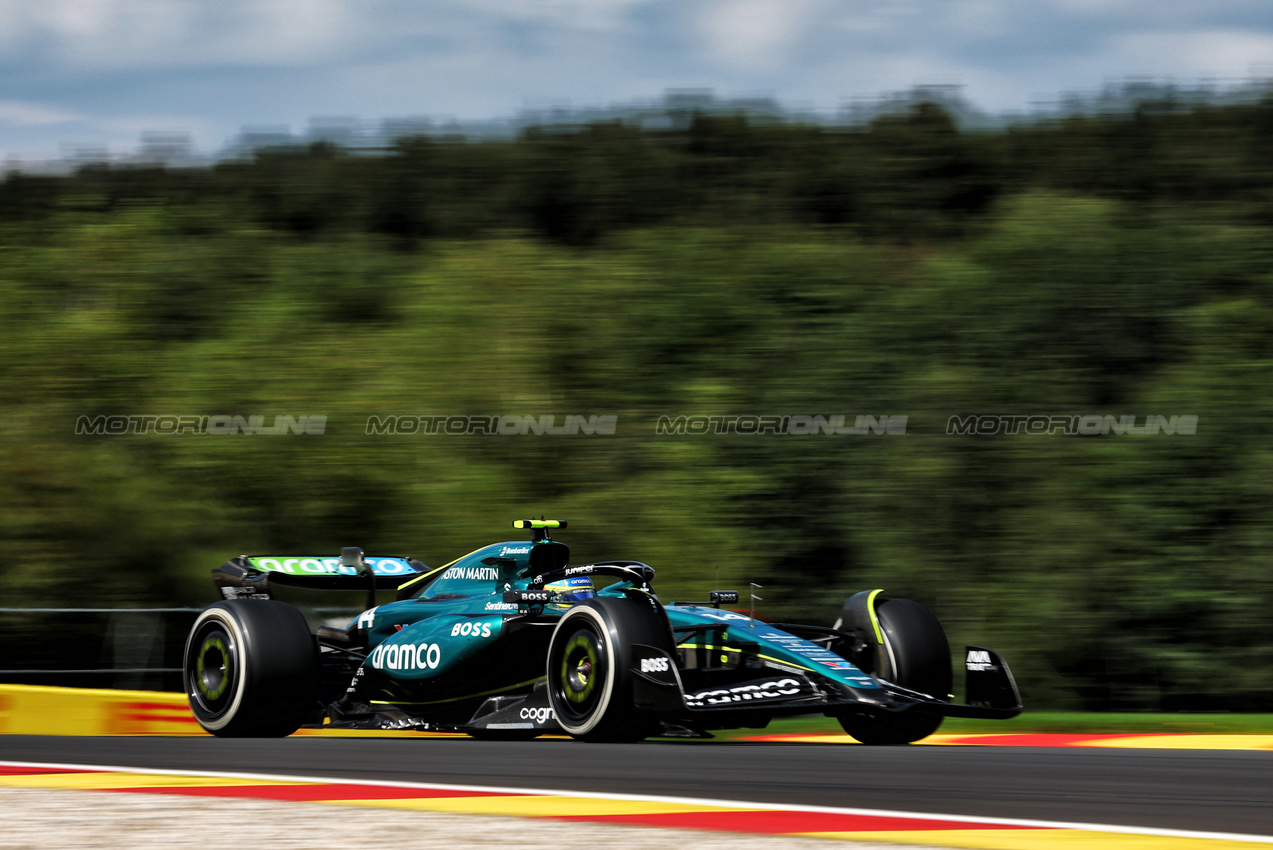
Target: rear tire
{"points": [[916, 655], [251, 669], [589, 667]]}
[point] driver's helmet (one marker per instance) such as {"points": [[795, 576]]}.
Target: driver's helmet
{"points": [[572, 590]]}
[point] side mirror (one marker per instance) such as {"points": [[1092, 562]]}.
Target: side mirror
{"points": [[723, 597]]}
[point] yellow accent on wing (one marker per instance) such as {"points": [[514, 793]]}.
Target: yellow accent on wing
{"points": [[539, 523], [437, 570]]}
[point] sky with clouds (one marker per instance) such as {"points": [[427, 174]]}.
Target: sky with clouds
{"points": [[101, 72]]}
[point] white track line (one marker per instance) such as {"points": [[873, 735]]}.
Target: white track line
{"points": [[651, 798]]}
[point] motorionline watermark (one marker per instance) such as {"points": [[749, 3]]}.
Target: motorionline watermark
{"points": [[103, 425], [1085, 426], [549, 424], [793, 425]]}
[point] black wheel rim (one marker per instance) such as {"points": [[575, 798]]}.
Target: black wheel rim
{"points": [[211, 669], [579, 671]]}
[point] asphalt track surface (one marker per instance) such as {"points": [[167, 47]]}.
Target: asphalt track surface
{"points": [[1213, 790]]}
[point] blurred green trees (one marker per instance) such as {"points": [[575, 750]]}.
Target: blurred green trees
{"points": [[1109, 265]]}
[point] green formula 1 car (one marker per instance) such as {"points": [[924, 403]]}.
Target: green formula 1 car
{"points": [[511, 641]]}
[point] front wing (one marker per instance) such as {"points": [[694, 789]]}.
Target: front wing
{"points": [[661, 688]]}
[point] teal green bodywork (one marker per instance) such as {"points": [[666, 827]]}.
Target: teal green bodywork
{"points": [[774, 648], [458, 612]]}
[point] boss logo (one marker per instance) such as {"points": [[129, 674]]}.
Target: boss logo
{"points": [[539, 715], [654, 665], [471, 629]]}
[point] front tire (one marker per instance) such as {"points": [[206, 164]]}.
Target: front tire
{"points": [[251, 669], [589, 667], [914, 654]]}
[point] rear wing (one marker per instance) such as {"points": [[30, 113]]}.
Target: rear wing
{"points": [[250, 576]]}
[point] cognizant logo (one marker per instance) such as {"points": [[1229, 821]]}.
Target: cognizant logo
{"points": [[540, 715]]}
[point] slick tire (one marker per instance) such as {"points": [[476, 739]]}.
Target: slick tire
{"points": [[251, 669], [915, 654], [590, 662]]}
